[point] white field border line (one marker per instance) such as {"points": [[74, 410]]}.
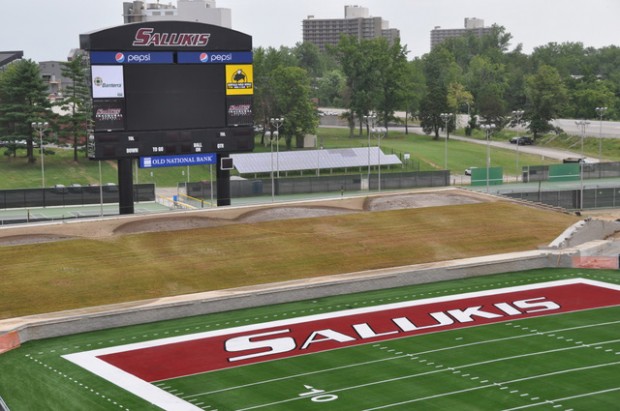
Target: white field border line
{"points": [[147, 391]]}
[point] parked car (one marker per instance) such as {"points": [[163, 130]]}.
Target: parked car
{"points": [[522, 141], [583, 160], [468, 170]]}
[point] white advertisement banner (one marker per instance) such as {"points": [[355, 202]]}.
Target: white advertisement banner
{"points": [[108, 82]]}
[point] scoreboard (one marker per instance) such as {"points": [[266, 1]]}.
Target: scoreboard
{"points": [[169, 88]]}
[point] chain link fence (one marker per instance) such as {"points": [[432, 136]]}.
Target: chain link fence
{"points": [[321, 184], [590, 171], [70, 196]]}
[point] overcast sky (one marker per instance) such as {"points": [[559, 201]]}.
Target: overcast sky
{"points": [[48, 29]]}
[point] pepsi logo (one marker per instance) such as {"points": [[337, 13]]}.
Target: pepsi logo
{"points": [[204, 57], [119, 57]]}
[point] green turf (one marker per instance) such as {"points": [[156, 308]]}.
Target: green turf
{"points": [[36, 377]]}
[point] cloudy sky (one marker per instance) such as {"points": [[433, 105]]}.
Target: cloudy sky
{"points": [[48, 29]]}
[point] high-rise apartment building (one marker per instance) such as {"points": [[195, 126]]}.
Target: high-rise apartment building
{"points": [[357, 22], [472, 25], [203, 11]]}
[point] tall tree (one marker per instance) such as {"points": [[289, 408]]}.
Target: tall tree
{"points": [[23, 97], [546, 97], [266, 61], [458, 96], [413, 90], [488, 84], [292, 91], [75, 102], [309, 57], [392, 64], [440, 70], [360, 65], [330, 89]]}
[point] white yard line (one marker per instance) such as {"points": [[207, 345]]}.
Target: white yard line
{"points": [[361, 364], [450, 369], [587, 394]]}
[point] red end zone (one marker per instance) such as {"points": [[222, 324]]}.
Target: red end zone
{"points": [[280, 339]]}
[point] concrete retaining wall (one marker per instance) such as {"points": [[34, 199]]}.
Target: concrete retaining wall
{"points": [[98, 318], [585, 231]]}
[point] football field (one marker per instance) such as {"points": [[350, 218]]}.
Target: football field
{"points": [[537, 340]]}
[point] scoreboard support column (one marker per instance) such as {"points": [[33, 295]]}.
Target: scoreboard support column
{"points": [[223, 182], [125, 186]]}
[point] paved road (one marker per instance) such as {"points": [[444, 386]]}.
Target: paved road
{"points": [[595, 128], [541, 151]]}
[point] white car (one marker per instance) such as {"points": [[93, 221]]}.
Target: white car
{"points": [[468, 170]]}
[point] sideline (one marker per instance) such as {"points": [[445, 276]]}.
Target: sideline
{"points": [[3, 406]]}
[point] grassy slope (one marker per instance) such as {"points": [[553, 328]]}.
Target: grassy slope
{"points": [[72, 274]]}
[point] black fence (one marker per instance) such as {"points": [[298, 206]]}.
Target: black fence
{"points": [[590, 171], [70, 196], [321, 184], [572, 199]]}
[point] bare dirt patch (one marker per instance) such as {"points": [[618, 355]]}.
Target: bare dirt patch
{"points": [[398, 202], [32, 239]]}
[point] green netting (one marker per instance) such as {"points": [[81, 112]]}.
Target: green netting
{"points": [[564, 172], [479, 176]]}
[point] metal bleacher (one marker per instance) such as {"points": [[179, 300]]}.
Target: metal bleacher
{"points": [[327, 159]]}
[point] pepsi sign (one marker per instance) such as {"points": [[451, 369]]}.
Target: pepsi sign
{"points": [[131, 57], [215, 57]]}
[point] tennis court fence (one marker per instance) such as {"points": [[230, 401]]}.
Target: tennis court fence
{"points": [[320, 184]]}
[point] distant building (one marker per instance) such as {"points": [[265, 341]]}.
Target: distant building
{"points": [[472, 25], [51, 73], [203, 11], [357, 23]]}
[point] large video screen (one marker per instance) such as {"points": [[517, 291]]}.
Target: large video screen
{"points": [[174, 97]]}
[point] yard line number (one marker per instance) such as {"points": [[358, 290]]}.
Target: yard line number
{"points": [[317, 395]]}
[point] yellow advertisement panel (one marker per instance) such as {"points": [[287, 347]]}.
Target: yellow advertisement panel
{"points": [[239, 79]]}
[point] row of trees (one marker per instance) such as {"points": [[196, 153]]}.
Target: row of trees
{"points": [[24, 99], [479, 76]]}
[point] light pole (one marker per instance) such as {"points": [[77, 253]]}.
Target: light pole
{"points": [[370, 122], [270, 135], [41, 127], [446, 117], [380, 133], [582, 124], [518, 114], [277, 123], [488, 128], [601, 112]]}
